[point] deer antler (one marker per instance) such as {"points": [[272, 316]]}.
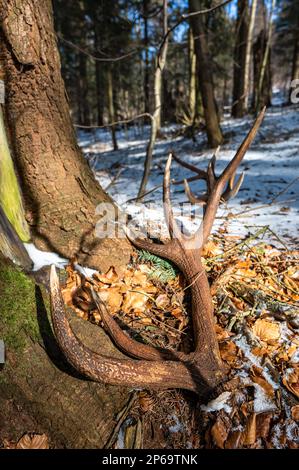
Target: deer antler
{"points": [[210, 177], [200, 371]]}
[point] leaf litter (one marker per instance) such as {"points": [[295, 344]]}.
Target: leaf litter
{"points": [[255, 290]]}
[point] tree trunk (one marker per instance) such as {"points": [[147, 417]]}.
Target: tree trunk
{"points": [[39, 391], [99, 80], [83, 92], [160, 65], [192, 76], [156, 120], [239, 89], [60, 191], [249, 52], [206, 86], [263, 91], [111, 110], [295, 61], [146, 85]]}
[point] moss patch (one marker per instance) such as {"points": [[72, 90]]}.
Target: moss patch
{"points": [[17, 307]]}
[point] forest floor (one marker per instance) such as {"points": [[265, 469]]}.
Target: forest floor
{"points": [[253, 269]]}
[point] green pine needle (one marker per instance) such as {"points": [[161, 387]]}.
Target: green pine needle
{"points": [[162, 270]]}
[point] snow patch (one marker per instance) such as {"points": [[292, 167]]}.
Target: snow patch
{"points": [[261, 402], [245, 348], [219, 403], [178, 426], [44, 258]]}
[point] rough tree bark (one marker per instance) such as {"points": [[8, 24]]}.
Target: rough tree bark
{"points": [[239, 89], [60, 191], [206, 86], [39, 391]]}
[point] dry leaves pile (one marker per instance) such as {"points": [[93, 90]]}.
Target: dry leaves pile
{"points": [[145, 307], [255, 289]]}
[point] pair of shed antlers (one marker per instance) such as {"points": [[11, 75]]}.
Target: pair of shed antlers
{"points": [[202, 370]]}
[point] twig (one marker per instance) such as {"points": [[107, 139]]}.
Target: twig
{"points": [[264, 205], [121, 417], [190, 15], [158, 186], [93, 57], [112, 124], [114, 179]]}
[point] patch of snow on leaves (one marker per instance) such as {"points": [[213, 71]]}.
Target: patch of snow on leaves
{"points": [[261, 402], [219, 403], [178, 426], [295, 357], [245, 347], [276, 435]]}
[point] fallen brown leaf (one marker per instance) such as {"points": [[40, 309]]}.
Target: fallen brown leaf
{"points": [[33, 441]]}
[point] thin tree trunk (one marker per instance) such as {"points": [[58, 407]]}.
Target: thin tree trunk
{"points": [[206, 86], [192, 76], [111, 109], [83, 91], [239, 88], [156, 121], [60, 192], [146, 61], [265, 60], [99, 81], [295, 61], [160, 65], [249, 53]]}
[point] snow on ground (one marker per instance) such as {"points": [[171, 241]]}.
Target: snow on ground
{"points": [[269, 192]]}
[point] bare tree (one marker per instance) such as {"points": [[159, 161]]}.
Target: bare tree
{"points": [[206, 86], [239, 89], [156, 120], [252, 16], [265, 62]]}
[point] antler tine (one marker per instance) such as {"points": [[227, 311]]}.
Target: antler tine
{"points": [[235, 162], [201, 173], [201, 200], [158, 249], [168, 212], [211, 180], [215, 196], [233, 189], [130, 346]]}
